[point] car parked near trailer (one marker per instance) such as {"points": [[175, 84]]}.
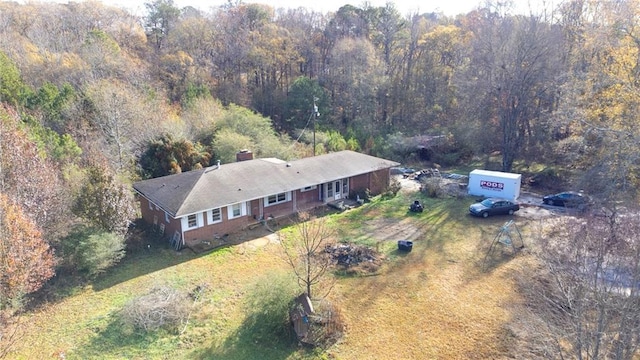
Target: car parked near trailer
{"points": [[493, 206], [570, 199]]}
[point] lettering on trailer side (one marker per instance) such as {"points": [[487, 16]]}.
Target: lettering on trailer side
{"points": [[491, 185]]}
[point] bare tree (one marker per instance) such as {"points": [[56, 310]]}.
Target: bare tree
{"points": [[592, 285], [511, 80], [10, 332], [30, 180], [356, 74], [600, 116], [125, 120], [304, 250]]}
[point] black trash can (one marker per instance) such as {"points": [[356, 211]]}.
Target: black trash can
{"points": [[416, 206], [405, 245]]}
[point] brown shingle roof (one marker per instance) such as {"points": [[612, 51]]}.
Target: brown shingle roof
{"points": [[200, 190]]}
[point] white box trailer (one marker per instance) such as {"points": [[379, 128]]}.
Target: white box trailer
{"points": [[494, 184]]}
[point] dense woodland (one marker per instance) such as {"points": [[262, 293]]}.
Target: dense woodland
{"points": [[94, 98]]}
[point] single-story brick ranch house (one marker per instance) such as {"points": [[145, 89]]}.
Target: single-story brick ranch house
{"points": [[204, 204]]}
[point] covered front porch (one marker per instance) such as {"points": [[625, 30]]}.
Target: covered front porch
{"points": [[334, 190]]}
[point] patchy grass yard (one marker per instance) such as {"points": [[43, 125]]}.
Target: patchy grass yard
{"points": [[435, 302]]}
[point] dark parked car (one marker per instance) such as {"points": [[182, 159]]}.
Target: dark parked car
{"points": [[566, 198], [493, 206]]}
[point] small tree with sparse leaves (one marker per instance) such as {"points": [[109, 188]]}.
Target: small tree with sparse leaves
{"points": [[304, 250]]}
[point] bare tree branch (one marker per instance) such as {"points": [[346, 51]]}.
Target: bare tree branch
{"points": [[304, 250]]}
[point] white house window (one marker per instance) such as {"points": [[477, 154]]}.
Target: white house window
{"points": [[150, 206], [237, 210], [277, 199], [166, 217], [214, 216], [308, 188], [192, 221]]}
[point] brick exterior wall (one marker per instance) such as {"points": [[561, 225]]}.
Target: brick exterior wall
{"points": [[226, 226], [212, 231], [300, 200], [254, 209], [279, 210], [244, 155], [376, 182], [379, 181], [306, 200], [156, 216]]}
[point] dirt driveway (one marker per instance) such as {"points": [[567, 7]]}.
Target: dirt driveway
{"points": [[531, 208], [531, 205]]}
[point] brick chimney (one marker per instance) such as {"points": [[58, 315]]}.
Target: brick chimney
{"points": [[243, 155]]}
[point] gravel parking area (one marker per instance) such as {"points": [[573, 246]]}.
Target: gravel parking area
{"points": [[531, 205]]}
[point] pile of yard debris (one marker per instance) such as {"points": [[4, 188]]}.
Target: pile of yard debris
{"points": [[424, 174], [437, 184], [354, 257]]}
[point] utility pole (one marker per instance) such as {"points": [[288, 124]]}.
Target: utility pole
{"points": [[315, 114]]}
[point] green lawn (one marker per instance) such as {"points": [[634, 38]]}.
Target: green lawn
{"points": [[437, 295]]}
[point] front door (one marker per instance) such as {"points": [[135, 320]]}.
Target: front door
{"points": [[334, 190]]}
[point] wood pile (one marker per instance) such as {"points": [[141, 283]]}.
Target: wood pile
{"points": [[348, 255]]}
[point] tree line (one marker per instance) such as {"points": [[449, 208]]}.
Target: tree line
{"points": [[93, 98]]}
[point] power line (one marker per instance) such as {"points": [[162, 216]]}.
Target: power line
{"points": [[313, 115]]}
